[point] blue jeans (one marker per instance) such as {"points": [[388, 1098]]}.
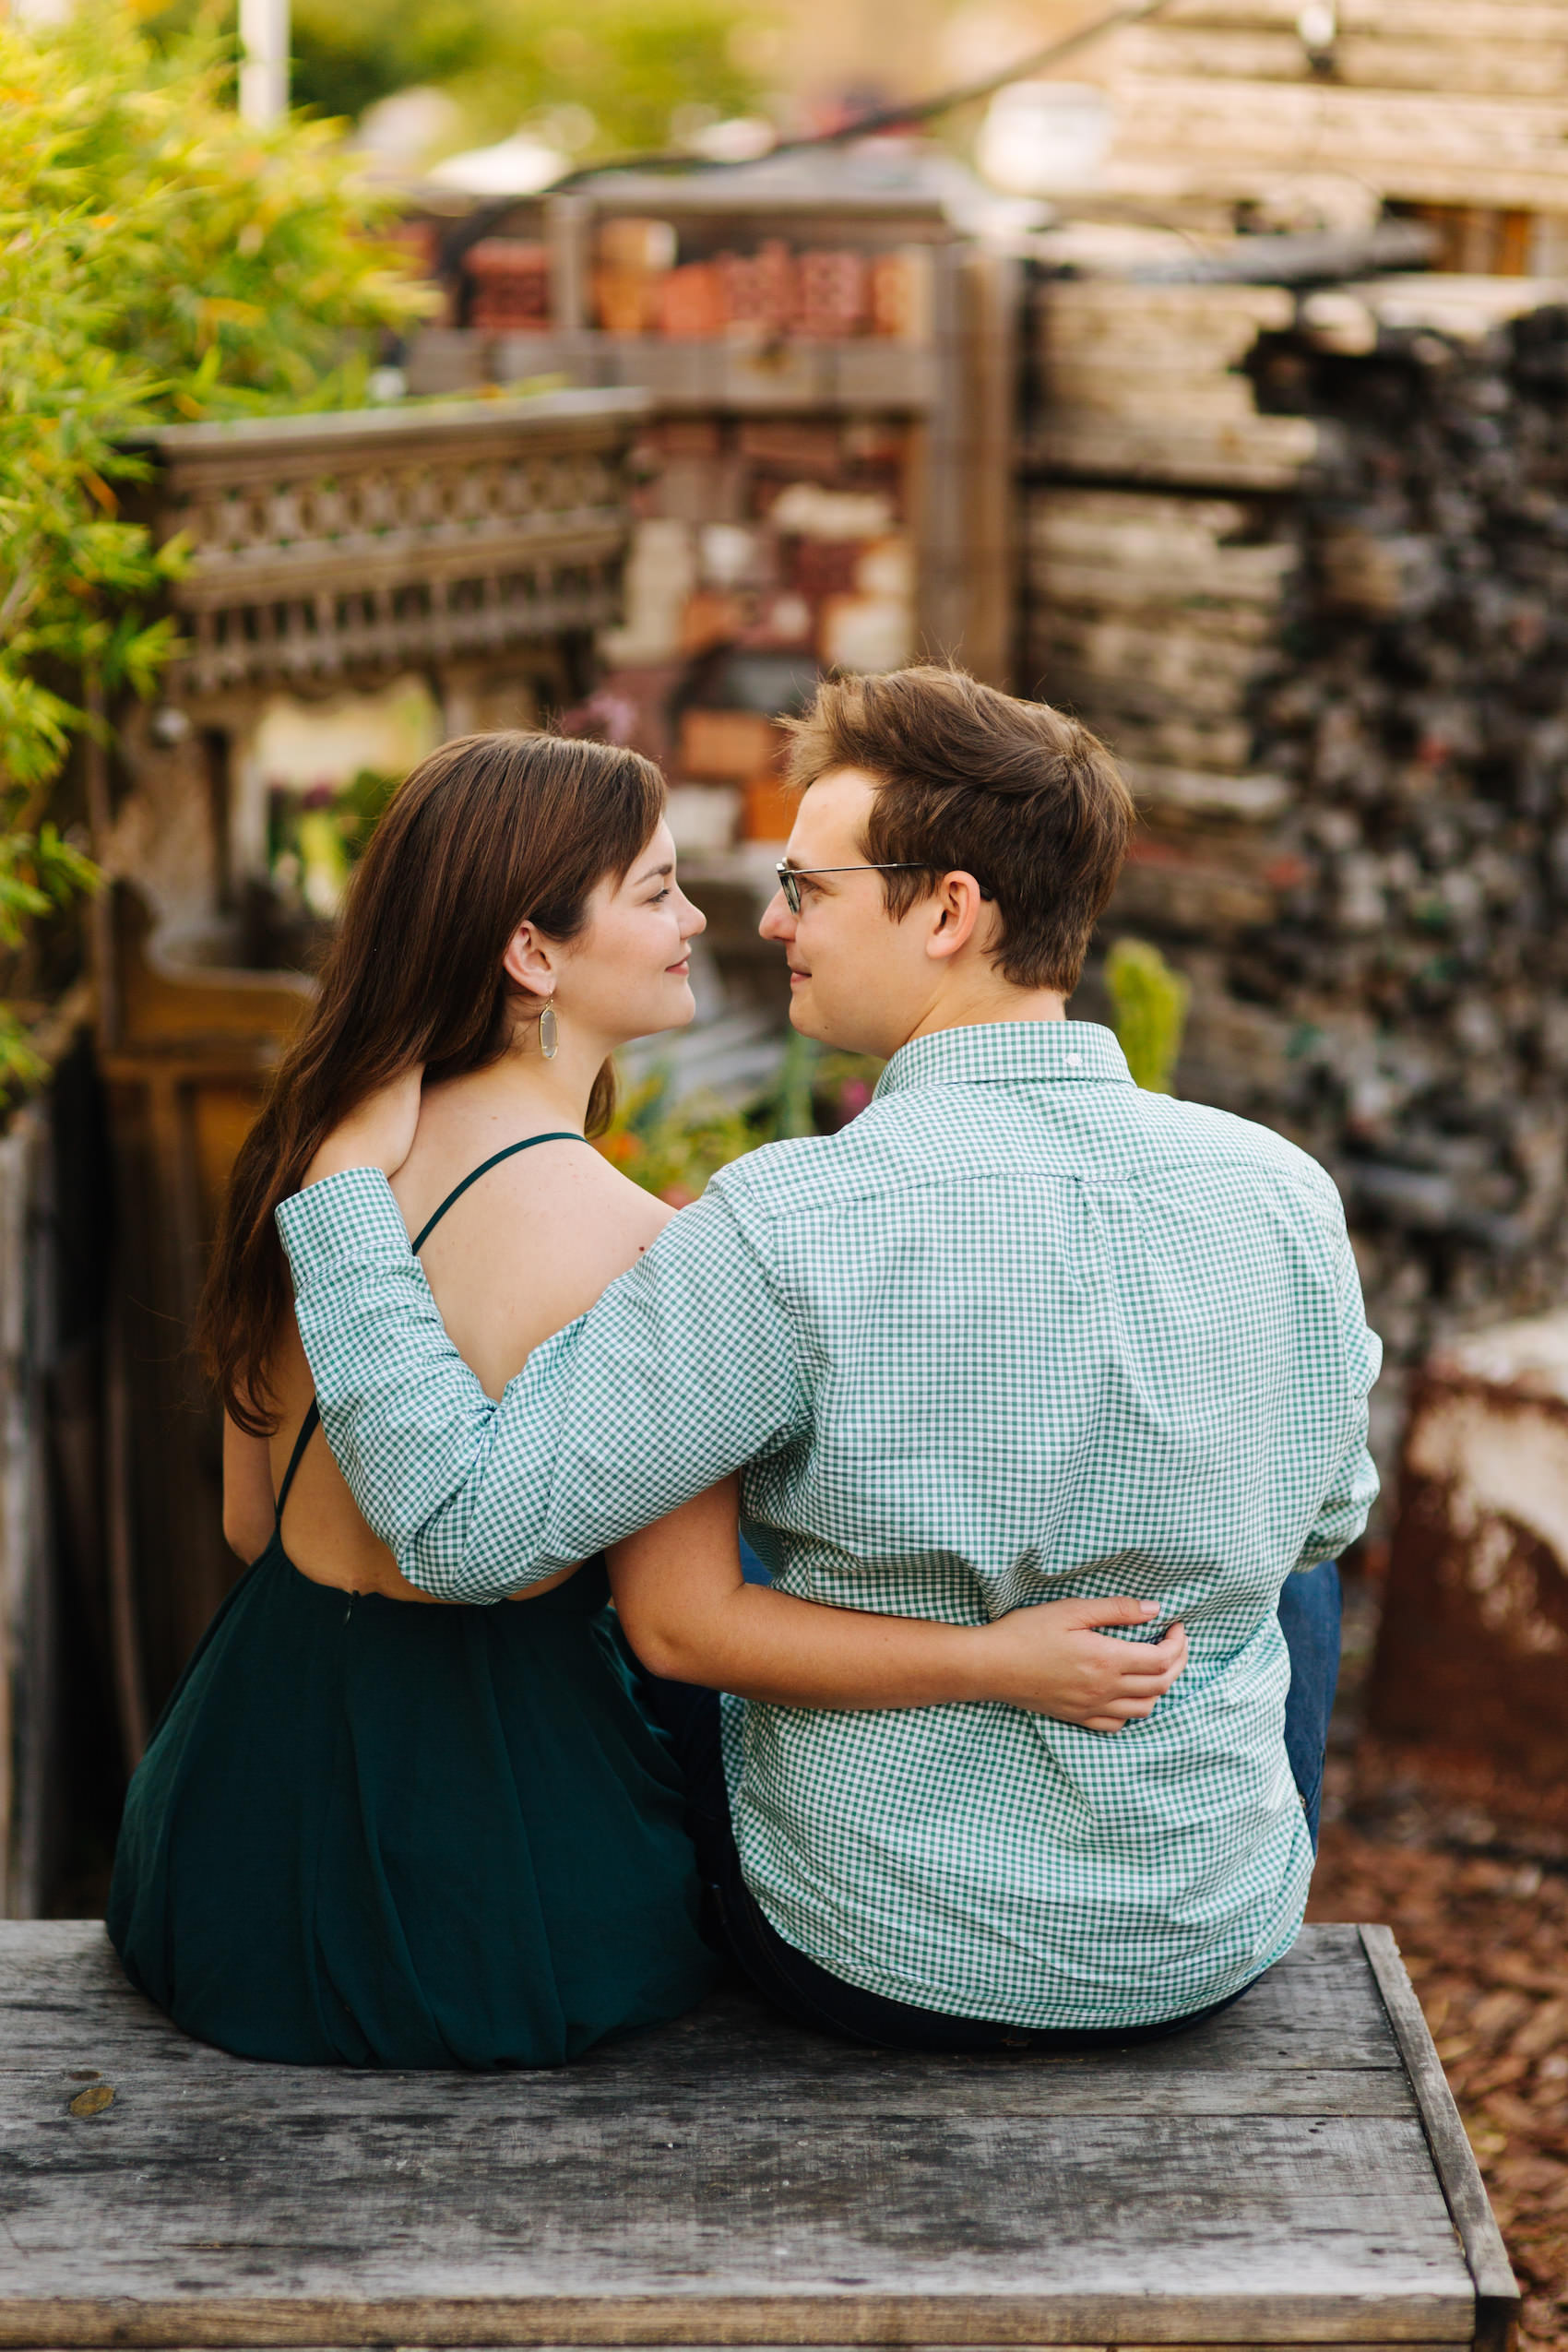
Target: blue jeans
{"points": [[1309, 1617]]}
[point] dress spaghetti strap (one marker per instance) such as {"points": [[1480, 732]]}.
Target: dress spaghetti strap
{"points": [[566, 1136], [307, 1430], [311, 1421]]}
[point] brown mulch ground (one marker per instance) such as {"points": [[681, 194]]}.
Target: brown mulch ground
{"points": [[1486, 1943]]}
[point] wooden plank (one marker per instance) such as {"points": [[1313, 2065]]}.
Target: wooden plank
{"points": [[1195, 134], [1253, 453], [1183, 795], [1361, 61], [1100, 693], [1483, 22], [1229, 574], [870, 373], [1343, 124], [1184, 308], [1497, 2290], [1201, 175], [1147, 522], [1210, 672], [727, 2180], [1113, 391], [27, 1674], [61, 1989], [1100, 597], [989, 309]]}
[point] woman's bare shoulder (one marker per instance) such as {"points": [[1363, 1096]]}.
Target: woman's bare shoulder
{"points": [[570, 1184], [530, 1247]]}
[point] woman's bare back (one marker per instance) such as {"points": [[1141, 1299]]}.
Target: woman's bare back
{"points": [[526, 1249]]}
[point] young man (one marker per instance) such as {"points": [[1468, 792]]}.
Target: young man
{"points": [[1021, 1331]]}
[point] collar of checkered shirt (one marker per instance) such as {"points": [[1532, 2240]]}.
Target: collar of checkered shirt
{"points": [[1008, 1053]]}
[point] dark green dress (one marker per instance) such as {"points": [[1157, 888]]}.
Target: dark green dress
{"points": [[368, 1832]]}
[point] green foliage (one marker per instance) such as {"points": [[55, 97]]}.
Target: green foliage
{"points": [[620, 71], [160, 261], [315, 839], [1151, 1011], [672, 1148]]}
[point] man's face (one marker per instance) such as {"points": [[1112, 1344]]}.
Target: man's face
{"points": [[858, 980]]}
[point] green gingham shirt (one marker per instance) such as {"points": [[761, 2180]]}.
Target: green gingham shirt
{"points": [[1020, 1331]]}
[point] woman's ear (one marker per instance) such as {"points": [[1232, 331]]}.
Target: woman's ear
{"points": [[528, 962]]}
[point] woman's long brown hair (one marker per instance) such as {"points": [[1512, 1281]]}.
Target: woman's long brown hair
{"points": [[490, 831]]}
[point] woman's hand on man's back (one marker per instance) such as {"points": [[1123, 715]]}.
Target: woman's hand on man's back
{"points": [[378, 1133]]}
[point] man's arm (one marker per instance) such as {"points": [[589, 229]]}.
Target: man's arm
{"points": [[1343, 1512], [1352, 1491], [684, 1370]]}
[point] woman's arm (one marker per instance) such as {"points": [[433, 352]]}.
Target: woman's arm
{"points": [[690, 1615], [249, 1516]]}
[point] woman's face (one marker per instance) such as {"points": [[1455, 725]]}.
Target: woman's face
{"points": [[626, 974]]}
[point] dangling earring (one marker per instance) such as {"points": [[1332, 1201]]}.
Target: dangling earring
{"points": [[549, 1033]]}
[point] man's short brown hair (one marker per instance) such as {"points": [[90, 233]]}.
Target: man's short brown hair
{"points": [[975, 781]]}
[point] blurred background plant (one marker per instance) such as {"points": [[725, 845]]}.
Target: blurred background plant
{"points": [[1151, 1011], [671, 1145], [314, 838], [160, 261], [590, 77]]}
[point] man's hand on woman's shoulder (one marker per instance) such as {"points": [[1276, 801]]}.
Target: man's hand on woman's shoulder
{"points": [[378, 1133]]}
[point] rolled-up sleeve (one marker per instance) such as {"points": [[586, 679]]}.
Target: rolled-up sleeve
{"points": [[684, 1370]]}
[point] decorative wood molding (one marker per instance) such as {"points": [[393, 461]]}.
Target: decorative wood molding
{"points": [[326, 545]]}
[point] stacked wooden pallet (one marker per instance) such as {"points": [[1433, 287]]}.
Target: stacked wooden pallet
{"points": [[1140, 382], [1154, 608], [1158, 615], [1343, 709], [1448, 102]]}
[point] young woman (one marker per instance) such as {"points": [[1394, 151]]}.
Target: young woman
{"points": [[374, 1830]]}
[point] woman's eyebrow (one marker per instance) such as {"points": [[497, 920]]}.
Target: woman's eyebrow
{"points": [[656, 873]]}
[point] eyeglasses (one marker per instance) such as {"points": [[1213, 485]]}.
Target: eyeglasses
{"points": [[791, 877]]}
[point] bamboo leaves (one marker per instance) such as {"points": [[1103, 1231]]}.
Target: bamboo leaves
{"points": [[160, 260]]}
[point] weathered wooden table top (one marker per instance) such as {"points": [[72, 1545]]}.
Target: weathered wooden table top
{"points": [[1269, 2178]]}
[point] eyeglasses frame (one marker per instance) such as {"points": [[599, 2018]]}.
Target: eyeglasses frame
{"points": [[791, 877]]}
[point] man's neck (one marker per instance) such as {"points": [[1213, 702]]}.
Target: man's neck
{"points": [[974, 1009]]}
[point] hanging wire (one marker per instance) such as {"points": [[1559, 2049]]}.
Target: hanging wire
{"points": [[488, 217], [883, 118]]}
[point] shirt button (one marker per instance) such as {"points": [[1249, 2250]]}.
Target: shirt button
{"points": [[1073, 1059]]}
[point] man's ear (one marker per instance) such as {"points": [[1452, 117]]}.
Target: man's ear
{"points": [[954, 910], [528, 961]]}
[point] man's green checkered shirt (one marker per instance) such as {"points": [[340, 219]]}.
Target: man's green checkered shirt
{"points": [[1020, 1331]]}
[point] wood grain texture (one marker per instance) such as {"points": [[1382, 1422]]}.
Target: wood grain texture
{"points": [[1262, 2180], [1497, 2290]]}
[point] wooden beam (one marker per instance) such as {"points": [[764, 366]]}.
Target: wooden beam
{"points": [[1497, 2290]]}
